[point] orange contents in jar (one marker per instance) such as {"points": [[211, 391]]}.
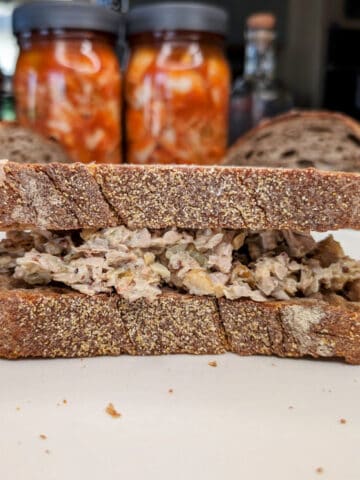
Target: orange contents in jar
{"points": [[177, 98], [68, 87]]}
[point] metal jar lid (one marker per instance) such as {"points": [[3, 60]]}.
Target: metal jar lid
{"points": [[53, 15], [172, 16]]}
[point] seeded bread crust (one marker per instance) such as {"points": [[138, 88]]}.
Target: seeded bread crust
{"points": [[301, 139], [65, 197], [45, 322], [296, 328], [51, 322]]}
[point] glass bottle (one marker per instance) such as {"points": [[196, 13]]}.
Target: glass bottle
{"points": [[258, 94], [7, 104]]}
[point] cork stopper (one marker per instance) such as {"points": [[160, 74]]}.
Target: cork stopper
{"points": [[261, 21]]}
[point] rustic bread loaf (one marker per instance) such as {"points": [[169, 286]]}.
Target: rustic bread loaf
{"points": [[19, 144], [64, 197], [58, 322], [301, 139]]}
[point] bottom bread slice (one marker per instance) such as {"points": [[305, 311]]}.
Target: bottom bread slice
{"points": [[56, 322]]}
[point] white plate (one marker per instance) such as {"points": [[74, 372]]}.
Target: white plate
{"points": [[249, 418]]}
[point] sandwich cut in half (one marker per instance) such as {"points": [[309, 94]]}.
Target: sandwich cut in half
{"points": [[301, 139], [21, 145], [149, 260]]}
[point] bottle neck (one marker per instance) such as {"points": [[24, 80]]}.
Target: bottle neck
{"points": [[260, 60]]}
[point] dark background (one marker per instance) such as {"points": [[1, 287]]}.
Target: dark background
{"points": [[318, 46]]}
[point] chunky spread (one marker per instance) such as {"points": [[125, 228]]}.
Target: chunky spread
{"points": [[224, 263]]}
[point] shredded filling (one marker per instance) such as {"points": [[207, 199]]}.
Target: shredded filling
{"points": [[224, 263]]}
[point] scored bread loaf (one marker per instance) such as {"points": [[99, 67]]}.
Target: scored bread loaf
{"points": [[301, 139], [19, 144], [64, 197], [58, 322]]}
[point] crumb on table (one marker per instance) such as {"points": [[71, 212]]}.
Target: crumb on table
{"points": [[111, 410], [47, 451], [319, 470], [291, 407], [171, 390], [43, 436], [213, 363], [342, 421]]}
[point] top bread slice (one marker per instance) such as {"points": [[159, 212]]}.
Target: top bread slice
{"points": [[76, 196], [301, 139], [19, 144]]}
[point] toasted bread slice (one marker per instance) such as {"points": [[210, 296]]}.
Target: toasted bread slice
{"points": [[66, 197], [58, 322]]}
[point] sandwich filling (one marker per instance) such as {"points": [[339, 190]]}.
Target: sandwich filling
{"points": [[223, 263]]}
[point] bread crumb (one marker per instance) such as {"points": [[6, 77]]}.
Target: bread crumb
{"points": [[65, 401], [213, 364], [171, 390], [47, 451], [18, 409], [319, 470], [291, 407], [111, 410], [42, 436], [342, 421]]}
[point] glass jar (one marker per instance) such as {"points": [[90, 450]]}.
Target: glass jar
{"points": [[67, 82], [177, 84]]}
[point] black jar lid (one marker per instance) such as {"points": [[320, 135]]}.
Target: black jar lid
{"points": [[181, 16], [61, 15]]}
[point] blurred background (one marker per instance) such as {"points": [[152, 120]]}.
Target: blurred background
{"points": [[318, 58]]}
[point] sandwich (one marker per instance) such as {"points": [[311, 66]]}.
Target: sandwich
{"points": [[301, 139], [150, 260]]}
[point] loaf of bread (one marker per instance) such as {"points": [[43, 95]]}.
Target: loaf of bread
{"points": [[301, 139], [19, 144]]}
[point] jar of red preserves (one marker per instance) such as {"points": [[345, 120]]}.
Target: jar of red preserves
{"points": [[177, 84], [67, 81]]}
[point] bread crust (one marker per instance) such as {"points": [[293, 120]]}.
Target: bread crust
{"points": [[352, 124], [50, 322], [249, 138], [18, 143], [64, 197], [296, 328], [45, 322]]}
